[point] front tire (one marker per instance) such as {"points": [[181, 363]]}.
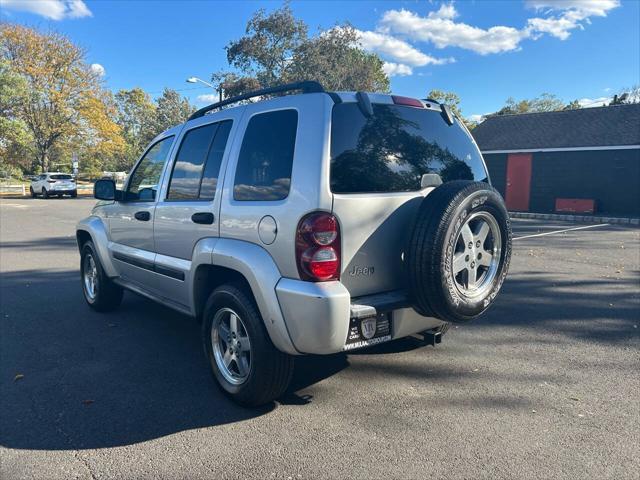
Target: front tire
{"points": [[99, 290], [33, 194], [244, 361], [45, 193]]}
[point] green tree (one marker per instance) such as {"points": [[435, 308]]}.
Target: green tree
{"points": [[277, 49], [269, 44], [232, 84], [334, 59], [547, 102], [453, 100], [136, 114], [626, 96], [171, 110], [15, 140], [573, 105], [450, 98]]}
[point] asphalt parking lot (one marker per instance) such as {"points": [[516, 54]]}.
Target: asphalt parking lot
{"points": [[544, 386]]}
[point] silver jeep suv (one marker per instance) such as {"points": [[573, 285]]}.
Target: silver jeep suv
{"points": [[307, 223]]}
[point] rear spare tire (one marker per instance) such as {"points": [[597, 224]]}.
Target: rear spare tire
{"points": [[459, 251]]}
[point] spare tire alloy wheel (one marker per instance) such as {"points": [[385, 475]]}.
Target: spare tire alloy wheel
{"points": [[476, 255], [459, 251]]}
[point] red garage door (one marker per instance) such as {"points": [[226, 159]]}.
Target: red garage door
{"points": [[518, 181]]}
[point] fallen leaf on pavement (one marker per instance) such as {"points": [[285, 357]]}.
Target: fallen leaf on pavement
{"points": [[19, 376], [88, 402]]}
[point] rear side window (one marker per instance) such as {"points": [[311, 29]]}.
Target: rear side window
{"points": [[390, 151], [197, 164], [266, 157]]}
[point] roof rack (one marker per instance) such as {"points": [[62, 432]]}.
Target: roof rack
{"points": [[307, 86]]}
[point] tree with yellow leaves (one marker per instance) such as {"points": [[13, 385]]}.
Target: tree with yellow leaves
{"points": [[63, 105]]}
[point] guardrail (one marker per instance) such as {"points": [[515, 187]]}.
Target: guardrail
{"points": [[20, 189]]}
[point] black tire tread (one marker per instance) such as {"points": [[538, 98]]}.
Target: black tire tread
{"points": [[431, 226], [109, 294], [276, 367]]}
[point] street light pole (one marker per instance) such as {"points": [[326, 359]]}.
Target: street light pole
{"points": [[196, 80]]}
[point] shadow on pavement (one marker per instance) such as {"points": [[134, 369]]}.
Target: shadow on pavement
{"points": [[102, 380], [46, 244]]}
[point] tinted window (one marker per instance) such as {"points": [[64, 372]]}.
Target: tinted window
{"points": [[61, 177], [143, 184], [195, 171], [214, 159], [390, 151], [266, 157]]}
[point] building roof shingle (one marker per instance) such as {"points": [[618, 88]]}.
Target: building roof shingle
{"points": [[587, 127]]}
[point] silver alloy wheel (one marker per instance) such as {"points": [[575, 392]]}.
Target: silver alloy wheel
{"points": [[231, 346], [90, 276], [476, 256]]}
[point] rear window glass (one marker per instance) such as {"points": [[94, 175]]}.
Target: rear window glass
{"points": [[266, 157], [390, 151], [61, 177]]}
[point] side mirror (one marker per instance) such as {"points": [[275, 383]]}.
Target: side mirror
{"points": [[105, 190]]}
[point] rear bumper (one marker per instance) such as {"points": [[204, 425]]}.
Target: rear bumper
{"points": [[317, 315], [62, 191]]}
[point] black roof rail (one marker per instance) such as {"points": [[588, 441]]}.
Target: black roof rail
{"points": [[308, 86]]}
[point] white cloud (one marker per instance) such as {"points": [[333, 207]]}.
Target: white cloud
{"points": [[402, 56], [594, 102], [476, 117], [52, 9], [393, 48], [396, 69], [571, 14], [98, 69], [440, 28], [598, 8], [207, 98]]}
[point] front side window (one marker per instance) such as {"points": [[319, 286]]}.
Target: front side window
{"points": [[197, 165], [266, 157], [143, 184], [391, 150]]}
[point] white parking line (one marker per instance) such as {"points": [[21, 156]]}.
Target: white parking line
{"points": [[561, 231]]}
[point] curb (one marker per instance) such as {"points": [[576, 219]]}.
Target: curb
{"points": [[576, 218]]}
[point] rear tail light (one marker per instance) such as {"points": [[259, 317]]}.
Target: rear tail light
{"points": [[406, 101], [318, 247]]}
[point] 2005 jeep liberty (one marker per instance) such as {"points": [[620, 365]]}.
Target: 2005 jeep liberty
{"points": [[307, 223]]}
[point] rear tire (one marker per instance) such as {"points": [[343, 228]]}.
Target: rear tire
{"points": [[244, 361], [33, 194], [99, 290], [459, 251], [74, 194]]}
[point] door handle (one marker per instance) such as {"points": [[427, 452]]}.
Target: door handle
{"points": [[205, 218], [142, 216]]}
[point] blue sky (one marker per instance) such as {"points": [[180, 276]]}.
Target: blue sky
{"points": [[485, 51]]}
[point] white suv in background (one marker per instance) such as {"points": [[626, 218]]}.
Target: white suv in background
{"points": [[53, 183]]}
